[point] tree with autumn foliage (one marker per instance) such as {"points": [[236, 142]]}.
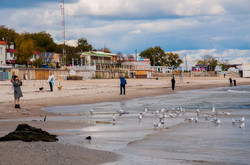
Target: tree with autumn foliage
{"points": [[25, 49], [209, 61]]}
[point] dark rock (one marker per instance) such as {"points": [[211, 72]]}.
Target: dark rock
{"points": [[27, 133]]}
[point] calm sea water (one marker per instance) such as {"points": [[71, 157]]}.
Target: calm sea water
{"points": [[182, 143]]}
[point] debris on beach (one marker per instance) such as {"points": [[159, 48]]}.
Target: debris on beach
{"points": [[88, 138], [28, 133]]}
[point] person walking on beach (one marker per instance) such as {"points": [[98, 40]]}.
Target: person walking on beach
{"points": [[173, 83], [230, 82], [51, 81], [17, 91], [234, 82], [123, 82]]}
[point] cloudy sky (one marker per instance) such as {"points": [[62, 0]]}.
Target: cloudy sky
{"points": [[189, 27]]}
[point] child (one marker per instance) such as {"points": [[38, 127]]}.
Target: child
{"points": [[17, 90]]}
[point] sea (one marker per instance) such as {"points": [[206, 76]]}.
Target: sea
{"points": [[179, 140]]}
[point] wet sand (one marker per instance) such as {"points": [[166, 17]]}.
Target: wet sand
{"points": [[74, 93]]}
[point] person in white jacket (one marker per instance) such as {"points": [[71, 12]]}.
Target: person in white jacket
{"points": [[51, 81]]}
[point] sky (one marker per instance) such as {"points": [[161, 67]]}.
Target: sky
{"points": [[188, 27]]}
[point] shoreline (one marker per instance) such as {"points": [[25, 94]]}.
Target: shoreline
{"points": [[77, 93], [98, 93]]}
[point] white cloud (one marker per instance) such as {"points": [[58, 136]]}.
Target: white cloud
{"points": [[145, 8]]}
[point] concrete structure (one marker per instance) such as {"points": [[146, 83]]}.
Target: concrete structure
{"points": [[3, 48], [92, 58], [246, 70]]}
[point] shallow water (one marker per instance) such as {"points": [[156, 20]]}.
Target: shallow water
{"points": [[181, 143]]}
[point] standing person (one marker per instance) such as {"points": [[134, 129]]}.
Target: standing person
{"points": [[17, 91], [123, 82], [230, 81], [234, 82], [51, 81], [224, 75], [173, 83]]}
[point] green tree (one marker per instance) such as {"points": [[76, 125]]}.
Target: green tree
{"points": [[43, 42], [209, 61], [83, 45], [25, 49], [173, 60], [7, 34], [38, 62], [156, 55]]}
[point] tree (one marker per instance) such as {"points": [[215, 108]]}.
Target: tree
{"points": [[38, 62], [120, 57], [83, 45], [25, 49], [209, 61], [173, 60], [224, 64], [7, 34], [130, 57], [156, 55], [43, 42]]}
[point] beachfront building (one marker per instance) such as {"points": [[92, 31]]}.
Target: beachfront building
{"points": [[246, 70], [138, 69], [93, 58], [11, 55], [3, 47], [50, 58]]}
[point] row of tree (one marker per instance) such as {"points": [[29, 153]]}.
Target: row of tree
{"points": [[27, 43]]}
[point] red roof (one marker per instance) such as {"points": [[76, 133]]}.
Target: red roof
{"points": [[3, 43], [37, 52]]}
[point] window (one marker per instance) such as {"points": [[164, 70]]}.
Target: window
{"points": [[1, 51]]}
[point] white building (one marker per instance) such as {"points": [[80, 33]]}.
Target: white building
{"points": [[3, 47], [246, 69]]}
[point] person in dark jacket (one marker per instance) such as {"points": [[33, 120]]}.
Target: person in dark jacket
{"points": [[123, 82], [173, 83], [234, 82], [230, 82], [17, 91]]}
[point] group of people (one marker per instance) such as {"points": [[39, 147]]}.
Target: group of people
{"points": [[17, 83]]}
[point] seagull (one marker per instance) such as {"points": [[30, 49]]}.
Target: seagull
{"points": [[206, 117], [242, 125], [233, 121], [171, 115], [198, 112], [196, 120], [241, 120], [121, 111], [145, 110], [155, 125], [91, 112], [218, 122], [227, 113], [140, 117], [156, 112], [114, 118]]}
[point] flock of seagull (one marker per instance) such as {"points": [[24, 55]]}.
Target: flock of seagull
{"points": [[163, 114]]}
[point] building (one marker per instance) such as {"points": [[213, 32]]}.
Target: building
{"points": [[138, 69], [3, 47], [93, 58], [50, 58], [246, 70]]}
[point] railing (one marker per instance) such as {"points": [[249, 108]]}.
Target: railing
{"points": [[84, 67]]}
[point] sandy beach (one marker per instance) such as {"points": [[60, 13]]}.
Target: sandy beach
{"points": [[76, 93]]}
